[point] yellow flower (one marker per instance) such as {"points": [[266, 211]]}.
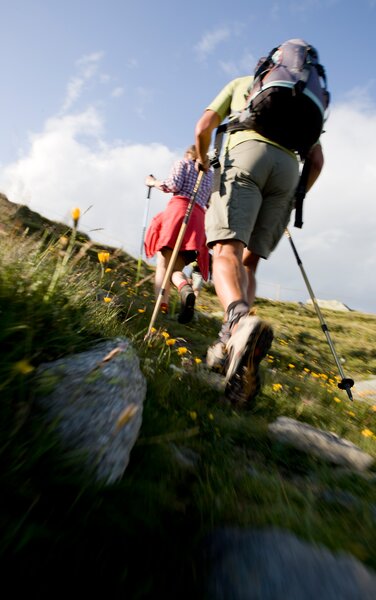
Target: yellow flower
{"points": [[373, 407], [124, 283], [63, 241], [108, 270], [76, 213], [336, 399], [182, 350], [306, 370], [351, 413], [165, 334], [211, 416], [24, 367], [291, 366], [141, 310], [153, 330], [170, 342], [198, 360], [103, 257], [277, 387], [107, 299], [367, 433], [193, 415]]}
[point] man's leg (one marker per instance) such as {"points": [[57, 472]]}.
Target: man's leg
{"points": [[231, 284], [244, 339], [250, 262], [229, 274]]}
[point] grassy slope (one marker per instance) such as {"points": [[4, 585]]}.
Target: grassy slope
{"points": [[199, 463]]}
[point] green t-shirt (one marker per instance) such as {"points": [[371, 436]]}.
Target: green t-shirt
{"points": [[231, 99]]}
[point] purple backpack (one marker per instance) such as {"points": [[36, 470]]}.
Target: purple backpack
{"points": [[288, 97]]}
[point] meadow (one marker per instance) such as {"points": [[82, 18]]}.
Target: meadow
{"points": [[199, 462]]}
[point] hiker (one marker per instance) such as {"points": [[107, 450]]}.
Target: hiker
{"points": [[246, 219], [164, 229]]}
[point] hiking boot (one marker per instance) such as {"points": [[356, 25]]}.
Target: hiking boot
{"points": [[216, 354], [187, 304], [247, 346]]}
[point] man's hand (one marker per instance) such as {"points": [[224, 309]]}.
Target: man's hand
{"points": [[202, 164]]}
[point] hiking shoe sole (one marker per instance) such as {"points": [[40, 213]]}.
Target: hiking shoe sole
{"points": [[247, 347], [187, 306]]}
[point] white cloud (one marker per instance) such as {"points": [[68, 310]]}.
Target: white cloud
{"points": [[144, 98], [69, 164], [117, 92], [87, 66], [210, 41], [244, 66]]}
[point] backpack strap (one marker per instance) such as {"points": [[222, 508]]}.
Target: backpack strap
{"points": [[300, 194], [218, 141]]}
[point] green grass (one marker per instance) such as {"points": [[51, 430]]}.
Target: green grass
{"points": [[198, 462]]}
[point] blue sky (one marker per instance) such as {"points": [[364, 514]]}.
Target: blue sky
{"points": [[95, 95]]}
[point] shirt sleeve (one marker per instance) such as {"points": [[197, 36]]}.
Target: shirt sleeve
{"points": [[175, 180], [232, 97]]}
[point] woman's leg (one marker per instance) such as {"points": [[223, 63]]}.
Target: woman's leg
{"points": [[160, 272]]}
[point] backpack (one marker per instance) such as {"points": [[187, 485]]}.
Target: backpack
{"points": [[287, 102], [288, 97]]}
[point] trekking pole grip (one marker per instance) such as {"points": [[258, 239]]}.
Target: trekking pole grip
{"points": [[149, 186]]}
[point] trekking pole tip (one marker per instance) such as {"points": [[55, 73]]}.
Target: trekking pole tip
{"points": [[346, 384]]}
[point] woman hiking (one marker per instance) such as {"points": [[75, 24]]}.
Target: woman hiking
{"points": [[164, 229]]}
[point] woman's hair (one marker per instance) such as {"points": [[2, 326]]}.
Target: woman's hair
{"points": [[191, 150]]}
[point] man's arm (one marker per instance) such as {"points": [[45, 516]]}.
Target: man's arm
{"points": [[316, 162], [203, 131]]}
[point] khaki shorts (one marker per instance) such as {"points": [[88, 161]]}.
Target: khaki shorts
{"points": [[255, 199]]}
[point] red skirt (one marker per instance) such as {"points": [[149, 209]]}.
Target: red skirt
{"points": [[165, 227]]}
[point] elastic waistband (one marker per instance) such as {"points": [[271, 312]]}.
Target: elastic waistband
{"points": [[187, 200]]}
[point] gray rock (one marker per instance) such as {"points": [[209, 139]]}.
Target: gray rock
{"points": [[365, 390], [272, 564], [323, 444], [95, 399], [330, 305]]}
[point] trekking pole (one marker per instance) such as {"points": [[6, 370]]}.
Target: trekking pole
{"points": [[175, 251], [346, 383], [143, 233]]}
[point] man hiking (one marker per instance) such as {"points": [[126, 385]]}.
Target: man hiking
{"points": [[245, 220]]}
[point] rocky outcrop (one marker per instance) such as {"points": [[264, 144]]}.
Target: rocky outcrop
{"points": [[272, 564], [95, 401], [323, 444]]}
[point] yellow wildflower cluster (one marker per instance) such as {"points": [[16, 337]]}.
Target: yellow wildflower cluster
{"points": [[76, 213], [182, 350], [103, 257], [368, 433]]}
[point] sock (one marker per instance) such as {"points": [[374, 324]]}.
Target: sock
{"points": [[182, 284], [239, 306]]}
